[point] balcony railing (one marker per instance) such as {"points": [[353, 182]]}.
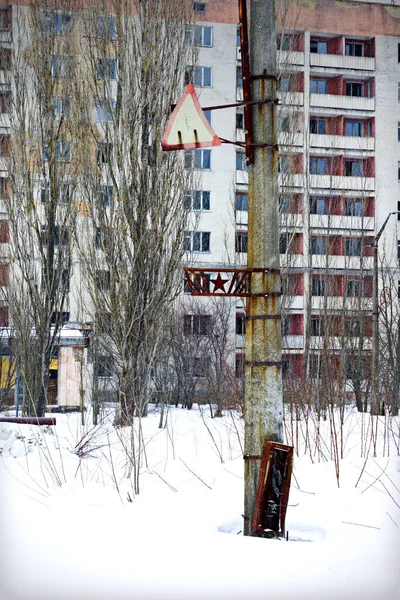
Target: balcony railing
{"points": [[292, 342], [285, 57], [340, 61], [291, 98], [342, 142], [342, 102], [342, 222], [340, 182]]}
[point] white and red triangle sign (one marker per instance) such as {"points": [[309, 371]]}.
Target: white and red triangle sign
{"points": [[187, 126]]}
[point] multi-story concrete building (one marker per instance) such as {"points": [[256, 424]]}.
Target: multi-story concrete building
{"points": [[339, 143], [339, 154]]}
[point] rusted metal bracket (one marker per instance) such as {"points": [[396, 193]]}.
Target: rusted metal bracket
{"points": [[261, 363], [227, 282], [256, 317], [263, 76]]}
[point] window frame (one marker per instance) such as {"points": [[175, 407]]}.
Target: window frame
{"points": [[318, 246], [241, 242], [198, 242], [201, 76]]}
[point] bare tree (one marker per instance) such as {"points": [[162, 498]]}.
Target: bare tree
{"points": [[42, 168], [131, 243]]}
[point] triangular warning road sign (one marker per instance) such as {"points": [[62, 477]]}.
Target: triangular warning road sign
{"points": [[187, 126]]}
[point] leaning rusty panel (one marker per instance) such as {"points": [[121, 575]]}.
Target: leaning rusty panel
{"points": [[227, 282], [273, 489]]}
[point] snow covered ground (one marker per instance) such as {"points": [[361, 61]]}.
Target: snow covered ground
{"points": [[72, 527]]}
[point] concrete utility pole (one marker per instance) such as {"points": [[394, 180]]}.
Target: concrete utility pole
{"points": [[264, 407]]}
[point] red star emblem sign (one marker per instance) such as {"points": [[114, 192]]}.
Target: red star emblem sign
{"points": [[219, 283]]}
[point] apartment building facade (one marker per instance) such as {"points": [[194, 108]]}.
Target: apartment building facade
{"points": [[338, 138]]}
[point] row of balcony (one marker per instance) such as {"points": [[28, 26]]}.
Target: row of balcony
{"points": [[335, 223], [296, 342], [330, 61], [318, 182]]}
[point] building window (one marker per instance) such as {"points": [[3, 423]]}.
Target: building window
{"points": [[198, 159], [62, 107], [319, 46], [60, 238], [207, 114], [353, 208], [106, 27], [239, 120], [398, 170], [285, 83], [241, 199], [198, 200], [317, 326], [239, 78], [352, 247], [104, 153], [105, 110], [241, 164], [318, 286], [103, 280], [318, 245], [107, 69], [354, 88], [315, 367], [5, 19], [239, 366], [201, 35], [284, 241], [398, 131], [241, 242], [196, 324], [354, 128], [319, 86], [240, 325], [285, 326], [202, 76], [354, 168], [284, 164], [318, 166], [353, 287], [65, 193], [284, 43], [62, 151], [58, 23], [199, 7], [105, 195], [398, 91], [318, 206], [318, 126], [352, 328], [354, 49], [197, 241], [104, 366], [61, 65]]}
